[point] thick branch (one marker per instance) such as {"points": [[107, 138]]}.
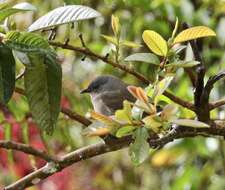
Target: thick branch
{"points": [[200, 69], [101, 148], [139, 76], [73, 157], [27, 149], [201, 106]]}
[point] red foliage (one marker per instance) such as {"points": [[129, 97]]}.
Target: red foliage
{"points": [[22, 162]]}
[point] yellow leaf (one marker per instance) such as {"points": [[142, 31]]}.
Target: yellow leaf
{"points": [[125, 113], [130, 44], [155, 42], [152, 122], [169, 112], [190, 123], [166, 157], [160, 87], [193, 33], [115, 24], [175, 28], [96, 128], [110, 39], [104, 119], [99, 132]]}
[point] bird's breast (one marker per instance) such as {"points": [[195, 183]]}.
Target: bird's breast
{"points": [[100, 106]]}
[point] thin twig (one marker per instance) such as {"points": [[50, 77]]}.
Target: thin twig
{"points": [[52, 33], [75, 116], [19, 76], [82, 40], [179, 101], [212, 80], [217, 103], [210, 83], [103, 58], [27, 149], [122, 67], [71, 114]]}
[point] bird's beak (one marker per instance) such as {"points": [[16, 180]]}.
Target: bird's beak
{"points": [[87, 90]]}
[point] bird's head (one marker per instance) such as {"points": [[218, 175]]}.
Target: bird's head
{"points": [[102, 84]]}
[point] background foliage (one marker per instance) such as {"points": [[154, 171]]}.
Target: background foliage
{"points": [[185, 164]]}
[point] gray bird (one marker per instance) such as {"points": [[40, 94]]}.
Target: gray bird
{"points": [[107, 94]]}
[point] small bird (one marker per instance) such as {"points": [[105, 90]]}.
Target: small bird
{"points": [[107, 94]]}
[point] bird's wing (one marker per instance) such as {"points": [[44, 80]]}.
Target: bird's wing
{"points": [[114, 99]]}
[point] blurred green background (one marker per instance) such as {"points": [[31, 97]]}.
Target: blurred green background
{"points": [[187, 164]]}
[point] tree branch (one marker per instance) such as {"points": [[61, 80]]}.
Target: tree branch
{"points": [[27, 149], [113, 144], [139, 76], [76, 116], [71, 114], [179, 101], [217, 103], [200, 69], [109, 146], [212, 80], [208, 88], [88, 52]]}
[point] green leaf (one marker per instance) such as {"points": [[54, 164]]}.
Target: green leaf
{"points": [[96, 128], [63, 15], [137, 112], [153, 122], [139, 150], [194, 33], [42, 79], [124, 115], [175, 28], [143, 57], [3, 5], [43, 82], [178, 48], [130, 44], [115, 23], [190, 123], [7, 73], [27, 42], [123, 131], [108, 121], [7, 11], [160, 87], [169, 112], [183, 64], [110, 39], [155, 42]]}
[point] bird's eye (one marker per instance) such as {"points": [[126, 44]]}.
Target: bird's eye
{"points": [[95, 87]]}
